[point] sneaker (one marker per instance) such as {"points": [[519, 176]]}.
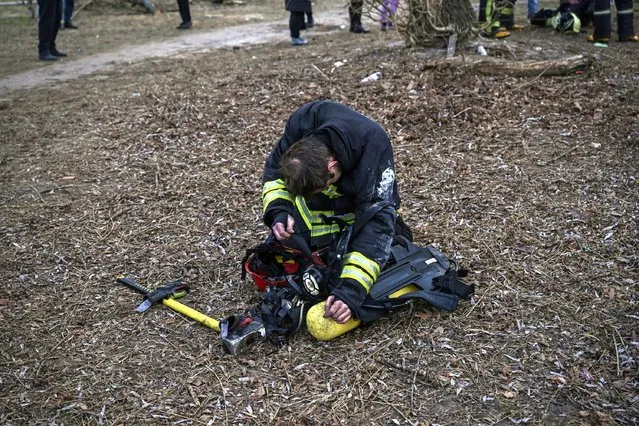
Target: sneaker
{"points": [[69, 26], [310, 23], [185, 25], [629, 38], [299, 41], [602, 40]]}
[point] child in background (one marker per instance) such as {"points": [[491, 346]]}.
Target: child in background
{"points": [[298, 9], [387, 12]]}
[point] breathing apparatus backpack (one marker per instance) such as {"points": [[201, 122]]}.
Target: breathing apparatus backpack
{"points": [[292, 279]]}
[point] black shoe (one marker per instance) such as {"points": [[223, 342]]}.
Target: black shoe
{"points": [[310, 23], [185, 25], [55, 52], [47, 56], [358, 29], [69, 26]]}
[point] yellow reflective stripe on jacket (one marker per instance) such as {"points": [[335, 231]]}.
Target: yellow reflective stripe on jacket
{"points": [[368, 265], [602, 12], [273, 184], [274, 190], [361, 269], [320, 228], [304, 212], [624, 12], [331, 192], [313, 218], [354, 273]]}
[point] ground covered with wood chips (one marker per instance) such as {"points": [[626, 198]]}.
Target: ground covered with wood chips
{"points": [[530, 182]]}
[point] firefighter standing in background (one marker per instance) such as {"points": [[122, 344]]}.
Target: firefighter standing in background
{"points": [[601, 21], [500, 14]]}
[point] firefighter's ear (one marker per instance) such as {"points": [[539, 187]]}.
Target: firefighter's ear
{"points": [[335, 170], [332, 162], [333, 166]]}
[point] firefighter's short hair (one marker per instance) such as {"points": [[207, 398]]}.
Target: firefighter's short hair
{"points": [[304, 166]]}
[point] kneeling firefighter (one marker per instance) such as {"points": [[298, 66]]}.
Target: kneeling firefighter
{"points": [[569, 18], [337, 241]]}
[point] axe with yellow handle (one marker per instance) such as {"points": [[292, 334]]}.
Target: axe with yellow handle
{"points": [[236, 332], [167, 294]]}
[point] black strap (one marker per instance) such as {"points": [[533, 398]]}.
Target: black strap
{"points": [[165, 291], [444, 301], [450, 283], [281, 313]]}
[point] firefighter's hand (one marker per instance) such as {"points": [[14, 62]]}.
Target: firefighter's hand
{"points": [[281, 231], [337, 310]]}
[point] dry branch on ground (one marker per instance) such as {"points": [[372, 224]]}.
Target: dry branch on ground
{"points": [[491, 66]]}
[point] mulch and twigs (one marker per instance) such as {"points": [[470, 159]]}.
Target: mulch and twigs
{"points": [[530, 186]]}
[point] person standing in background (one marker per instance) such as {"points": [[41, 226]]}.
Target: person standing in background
{"points": [[68, 14], [297, 8], [532, 8], [498, 17], [50, 15], [185, 14], [601, 21], [310, 22], [387, 12], [355, 14]]}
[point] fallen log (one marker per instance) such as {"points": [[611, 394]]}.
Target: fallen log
{"points": [[486, 65]]}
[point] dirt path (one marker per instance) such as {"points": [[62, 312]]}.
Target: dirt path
{"points": [[260, 33]]}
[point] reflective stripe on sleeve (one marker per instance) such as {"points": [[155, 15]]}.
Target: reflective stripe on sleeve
{"points": [[274, 190], [361, 269]]}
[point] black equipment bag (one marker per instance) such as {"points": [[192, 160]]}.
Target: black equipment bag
{"points": [[426, 268]]}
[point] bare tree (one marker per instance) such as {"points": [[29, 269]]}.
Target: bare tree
{"points": [[429, 22]]}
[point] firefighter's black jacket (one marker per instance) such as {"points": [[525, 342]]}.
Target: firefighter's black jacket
{"points": [[364, 152]]}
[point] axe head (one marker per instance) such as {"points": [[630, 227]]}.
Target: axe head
{"points": [[236, 339]]}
